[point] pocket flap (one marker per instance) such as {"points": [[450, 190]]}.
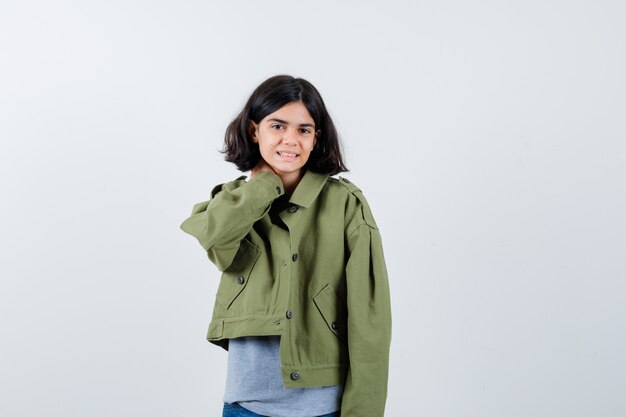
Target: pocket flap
{"points": [[235, 277], [333, 310]]}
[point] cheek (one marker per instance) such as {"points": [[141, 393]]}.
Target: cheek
{"points": [[271, 140], [267, 143], [266, 150], [305, 155]]}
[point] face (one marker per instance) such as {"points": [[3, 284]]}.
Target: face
{"points": [[286, 138]]}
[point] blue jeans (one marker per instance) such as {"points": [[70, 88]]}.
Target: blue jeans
{"points": [[235, 410]]}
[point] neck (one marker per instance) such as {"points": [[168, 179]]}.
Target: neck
{"points": [[291, 181]]}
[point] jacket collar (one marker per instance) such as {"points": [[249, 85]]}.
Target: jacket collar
{"points": [[308, 188]]}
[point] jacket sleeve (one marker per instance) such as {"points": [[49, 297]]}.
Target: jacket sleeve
{"points": [[369, 325], [222, 222]]}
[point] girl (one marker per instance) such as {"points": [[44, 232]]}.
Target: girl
{"points": [[303, 305]]}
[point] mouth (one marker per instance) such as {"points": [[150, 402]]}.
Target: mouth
{"points": [[288, 156]]}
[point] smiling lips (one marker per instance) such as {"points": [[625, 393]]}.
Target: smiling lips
{"points": [[288, 156]]}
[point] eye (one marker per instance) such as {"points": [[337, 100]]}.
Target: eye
{"points": [[276, 127], [305, 131]]}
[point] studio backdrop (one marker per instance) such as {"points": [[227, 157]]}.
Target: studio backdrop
{"points": [[488, 137]]}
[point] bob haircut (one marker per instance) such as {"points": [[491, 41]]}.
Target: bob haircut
{"points": [[269, 96]]}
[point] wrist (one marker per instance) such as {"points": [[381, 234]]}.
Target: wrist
{"points": [[270, 179]]}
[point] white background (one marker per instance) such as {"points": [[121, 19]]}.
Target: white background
{"points": [[489, 138]]}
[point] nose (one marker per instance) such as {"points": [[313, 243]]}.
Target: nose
{"points": [[289, 137]]}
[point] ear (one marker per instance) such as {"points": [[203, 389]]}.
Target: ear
{"points": [[253, 129]]}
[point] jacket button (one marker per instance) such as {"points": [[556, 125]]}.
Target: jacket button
{"points": [[289, 314], [277, 190], [334, 325], [293, 209], [294, 257], [241, 279], [295, 376]]}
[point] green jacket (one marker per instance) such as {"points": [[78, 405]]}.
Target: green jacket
{"points": [[309, 268]]}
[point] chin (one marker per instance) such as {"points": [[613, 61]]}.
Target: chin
{"points": [[287, 170]]}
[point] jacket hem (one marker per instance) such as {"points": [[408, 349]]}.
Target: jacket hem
{"points": [[220, 330], [315, 376], [294, 376]]}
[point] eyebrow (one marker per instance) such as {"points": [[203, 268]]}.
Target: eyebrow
{"points": [[285, 122]]}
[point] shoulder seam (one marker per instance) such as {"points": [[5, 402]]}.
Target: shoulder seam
{"points": [[346, 184], [359, 226]]}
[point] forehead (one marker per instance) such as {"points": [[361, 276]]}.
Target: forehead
{"points": [[293, 113]]}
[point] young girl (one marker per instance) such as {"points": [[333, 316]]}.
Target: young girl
{"points": [[303, 304]]}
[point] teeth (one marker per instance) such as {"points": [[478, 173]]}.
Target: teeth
{"points": [[287, 154]]}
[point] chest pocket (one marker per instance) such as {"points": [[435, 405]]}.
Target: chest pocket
{"points": [[235, 278]]}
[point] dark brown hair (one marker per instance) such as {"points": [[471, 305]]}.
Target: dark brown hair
{"points": [[269, 96]]}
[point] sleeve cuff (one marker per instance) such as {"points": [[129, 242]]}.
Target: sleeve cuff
{"points": [[270, 180]]}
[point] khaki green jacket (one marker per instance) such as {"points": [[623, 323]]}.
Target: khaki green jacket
{"points": [[309, 268]]}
